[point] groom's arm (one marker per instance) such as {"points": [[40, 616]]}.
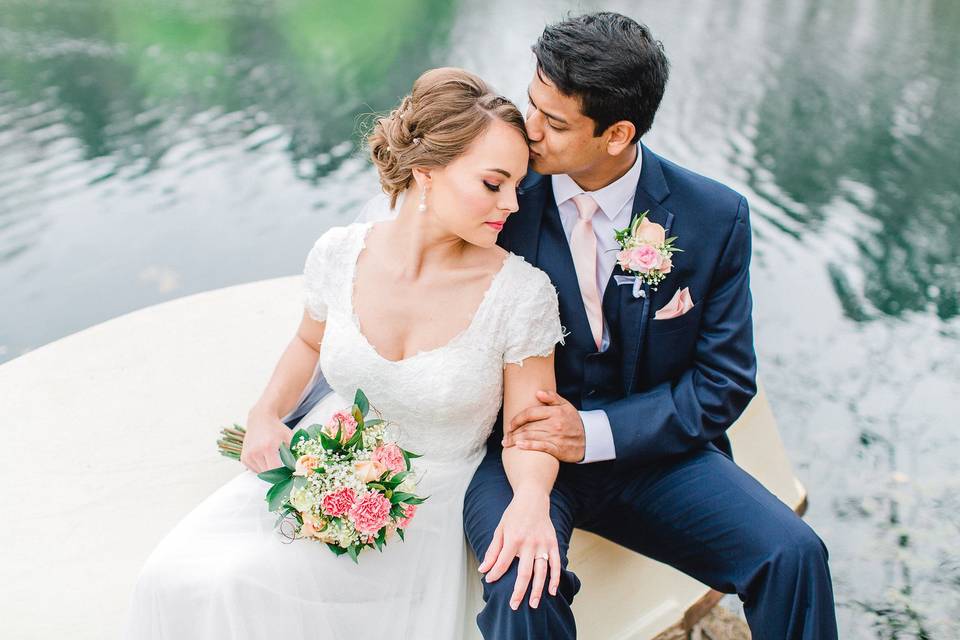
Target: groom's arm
{"points": [[683, 414]]}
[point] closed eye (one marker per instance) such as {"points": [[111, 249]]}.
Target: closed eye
{"points": [[493, 187]]}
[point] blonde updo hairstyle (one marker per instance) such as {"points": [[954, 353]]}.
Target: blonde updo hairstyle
{"points": [[447, 110]]}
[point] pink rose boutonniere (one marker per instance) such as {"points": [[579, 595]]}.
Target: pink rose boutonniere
{"points": [[645, 252]]}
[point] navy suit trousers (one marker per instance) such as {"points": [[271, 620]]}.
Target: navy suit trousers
{"points": [[698, 512]]}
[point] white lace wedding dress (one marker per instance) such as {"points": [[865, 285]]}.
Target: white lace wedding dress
{"points": [[225, 572]]}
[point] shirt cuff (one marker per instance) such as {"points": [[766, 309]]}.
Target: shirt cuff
{"points": [[598, 437]]}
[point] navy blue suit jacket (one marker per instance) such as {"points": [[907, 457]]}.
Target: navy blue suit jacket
{"points": [[684, 380]]}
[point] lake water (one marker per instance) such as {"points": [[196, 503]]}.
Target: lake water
{"points": [[152, 149]]}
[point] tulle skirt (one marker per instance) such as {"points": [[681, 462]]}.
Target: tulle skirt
{"points": [[225, 572]]}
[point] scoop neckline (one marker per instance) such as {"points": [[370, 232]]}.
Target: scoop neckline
{"points": [[355, 319]]}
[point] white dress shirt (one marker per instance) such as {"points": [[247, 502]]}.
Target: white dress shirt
{"points": [[616, 202]]}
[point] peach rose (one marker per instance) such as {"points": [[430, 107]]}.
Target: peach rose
{"points": [[369, 470], [311, 527], [650, 232], [391, 457], [306, 464], [666, 265], [391, 531]]}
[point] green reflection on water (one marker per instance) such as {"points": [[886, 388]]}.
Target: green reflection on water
{"points": [[120, 68], [875, 122]]}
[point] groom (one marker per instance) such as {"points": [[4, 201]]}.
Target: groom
{"points": [[647, 384]]}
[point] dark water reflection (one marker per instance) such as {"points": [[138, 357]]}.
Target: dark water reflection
{"points": [[153, 149]]}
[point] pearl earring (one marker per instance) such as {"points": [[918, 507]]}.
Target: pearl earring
{"points": [[422, 207]]}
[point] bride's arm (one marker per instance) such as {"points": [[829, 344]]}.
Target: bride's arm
{"points": [[525, 530], [294, 370]]}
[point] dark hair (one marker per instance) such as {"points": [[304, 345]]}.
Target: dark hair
{"points": [[610, 63]]}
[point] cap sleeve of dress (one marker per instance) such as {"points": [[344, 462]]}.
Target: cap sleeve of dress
{"points": [[316, 277], [532, 322]]}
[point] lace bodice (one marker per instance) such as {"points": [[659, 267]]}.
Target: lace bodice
{"points": [[444, 401]]}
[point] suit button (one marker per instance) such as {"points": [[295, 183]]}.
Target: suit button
{"points": [[591, 392]]}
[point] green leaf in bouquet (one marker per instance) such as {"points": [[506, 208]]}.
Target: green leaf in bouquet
{"points": [[401, 496], [314, 430], [400, 533], [352, 550], [357, 415], [274, 476], [278, 493], [373, 423], [297, 437], [299, 482], [380, 539], [355, 439], [337, 549], [329, 443], [415, 500], [400, 477], [286, 456], [376, 485], [396, 511], [361, 402], [408, 456]]}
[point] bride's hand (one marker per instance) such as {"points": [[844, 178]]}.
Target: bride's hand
{"points": [[525, 531], [261, 444]]}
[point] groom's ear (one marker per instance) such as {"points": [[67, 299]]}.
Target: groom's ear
{"points": [[619, 136]]}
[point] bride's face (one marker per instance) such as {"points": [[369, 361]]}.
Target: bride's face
{"points": [[473, 195]]}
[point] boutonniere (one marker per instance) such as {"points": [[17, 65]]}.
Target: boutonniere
{"points": [[645, 252]]}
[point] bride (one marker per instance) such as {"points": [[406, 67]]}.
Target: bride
{"points": [[439, 327]]}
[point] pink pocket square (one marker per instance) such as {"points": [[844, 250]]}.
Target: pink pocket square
{"points": [[678, 305]]}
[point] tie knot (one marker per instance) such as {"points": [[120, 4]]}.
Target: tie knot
{"points": [[586, 206]]}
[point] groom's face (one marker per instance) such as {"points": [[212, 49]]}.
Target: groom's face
{"points": [[562, 139]]}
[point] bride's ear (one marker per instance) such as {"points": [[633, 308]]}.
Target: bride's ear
{"points": [[423, 177]]}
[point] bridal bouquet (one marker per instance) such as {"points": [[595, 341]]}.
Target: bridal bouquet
{"points": [[343, 483]]}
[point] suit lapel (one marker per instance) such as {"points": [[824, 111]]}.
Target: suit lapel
{"points": [[536, 233], [521, 233], [555, 258], [635, 312]]}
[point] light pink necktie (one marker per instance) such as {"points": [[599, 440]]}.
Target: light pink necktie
{"points": [[583, 247]]}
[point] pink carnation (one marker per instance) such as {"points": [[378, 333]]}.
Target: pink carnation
{"points": [[343, 420], [370, 512], [337, 503], [390, 456], [408, 512]]}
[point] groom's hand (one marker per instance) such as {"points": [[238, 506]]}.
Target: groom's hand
{"points": [[554, 427]]}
